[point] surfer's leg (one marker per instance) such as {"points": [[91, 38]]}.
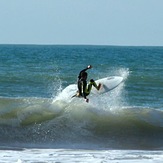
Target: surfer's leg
{"points": [[79, 92], [82, 87], [95, 85], [89, 88]]}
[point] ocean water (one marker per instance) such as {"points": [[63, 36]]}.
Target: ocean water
{"points": [[40, 123]]}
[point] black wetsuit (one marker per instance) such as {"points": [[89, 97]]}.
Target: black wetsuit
{"points": [[82, 82]]}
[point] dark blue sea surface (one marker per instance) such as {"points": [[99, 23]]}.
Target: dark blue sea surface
{"points": [[33, 76]]}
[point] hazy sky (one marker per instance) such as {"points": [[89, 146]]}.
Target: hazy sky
{"points": [[93, 22]]}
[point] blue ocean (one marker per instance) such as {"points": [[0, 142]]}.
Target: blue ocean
{"points": [[35, 114]]}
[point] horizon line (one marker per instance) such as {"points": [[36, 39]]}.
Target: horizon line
{"points": [[34, 44]]}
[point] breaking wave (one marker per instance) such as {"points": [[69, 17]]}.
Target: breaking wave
{"points": [[106, 122]]}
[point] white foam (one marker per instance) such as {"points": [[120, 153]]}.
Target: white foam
{"points": [[73, 155]]}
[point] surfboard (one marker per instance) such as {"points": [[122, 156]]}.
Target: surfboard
{"points": [[108, 84]]}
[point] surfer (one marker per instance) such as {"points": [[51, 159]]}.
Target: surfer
{"points": [[83, 89]]}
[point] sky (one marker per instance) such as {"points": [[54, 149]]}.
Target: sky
{"points": [[82, 22]]}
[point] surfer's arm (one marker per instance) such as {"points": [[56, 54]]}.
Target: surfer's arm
{"points": [[88, 67]]}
